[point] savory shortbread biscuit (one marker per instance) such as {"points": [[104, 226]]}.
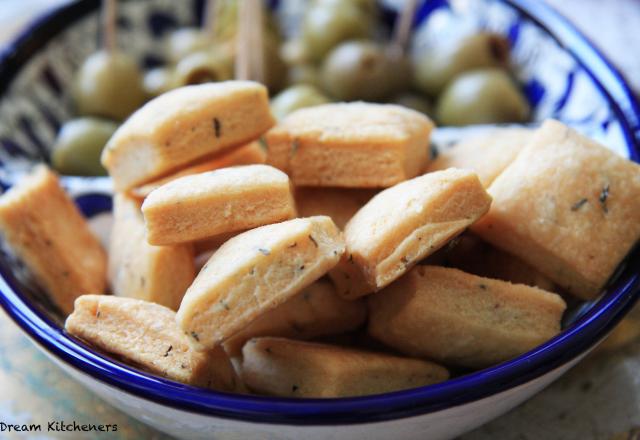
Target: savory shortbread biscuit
{"points": [[487, 155], [146, 334], [48, 233], [473, 255], [255, 272], [159, 274], [338, 203], [404, 224], [356, 145], [183, 125], [251, 153], [316, 311], [567, 206], [289, 368], [461, 319], [217, 202]]}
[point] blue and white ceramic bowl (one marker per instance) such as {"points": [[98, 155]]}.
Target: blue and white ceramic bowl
{"points": [[564, 78]]}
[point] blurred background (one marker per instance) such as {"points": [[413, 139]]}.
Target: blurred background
{"points": [[612, 25]]}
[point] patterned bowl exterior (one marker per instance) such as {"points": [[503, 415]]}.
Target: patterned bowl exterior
{"points": [[563, 76]]}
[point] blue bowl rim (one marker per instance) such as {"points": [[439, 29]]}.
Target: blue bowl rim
{"points": [[572, 342]]}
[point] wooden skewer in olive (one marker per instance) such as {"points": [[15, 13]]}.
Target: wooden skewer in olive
{"points": [[210, 60], [249, 41], [106, 88], [256, 40], [195, 55], [243, 50], [258, 46], [365, 70], [397, 52], [402, 30], [109, 82]]}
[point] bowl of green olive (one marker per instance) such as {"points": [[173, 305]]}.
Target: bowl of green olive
{"points": [[312, 53]]}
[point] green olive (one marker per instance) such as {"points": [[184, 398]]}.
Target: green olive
{"points": [[79, 144], [433, 69], [158, 81], [202, 67], [482, 97], [108, 84], [226, 21], [325, 25], [275, 70], [368, 7], [294, 98], [184, 42], [304, 74], [362, 70], [414, 102], [401, 76], [294, 52]]}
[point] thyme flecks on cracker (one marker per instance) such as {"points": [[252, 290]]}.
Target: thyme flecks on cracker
{"points": [[604, 195], [217, 127], [579, 204]]}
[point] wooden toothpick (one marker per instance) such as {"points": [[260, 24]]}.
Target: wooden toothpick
{"points": [[242, 43], [257, 41], [250, 41], [402, 29], [108, 16]]}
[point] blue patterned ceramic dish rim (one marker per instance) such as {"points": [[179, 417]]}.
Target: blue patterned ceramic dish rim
{"points": [[574, 341]]}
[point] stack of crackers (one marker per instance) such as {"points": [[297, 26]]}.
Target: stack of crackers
{"points": [[325, 256]]}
